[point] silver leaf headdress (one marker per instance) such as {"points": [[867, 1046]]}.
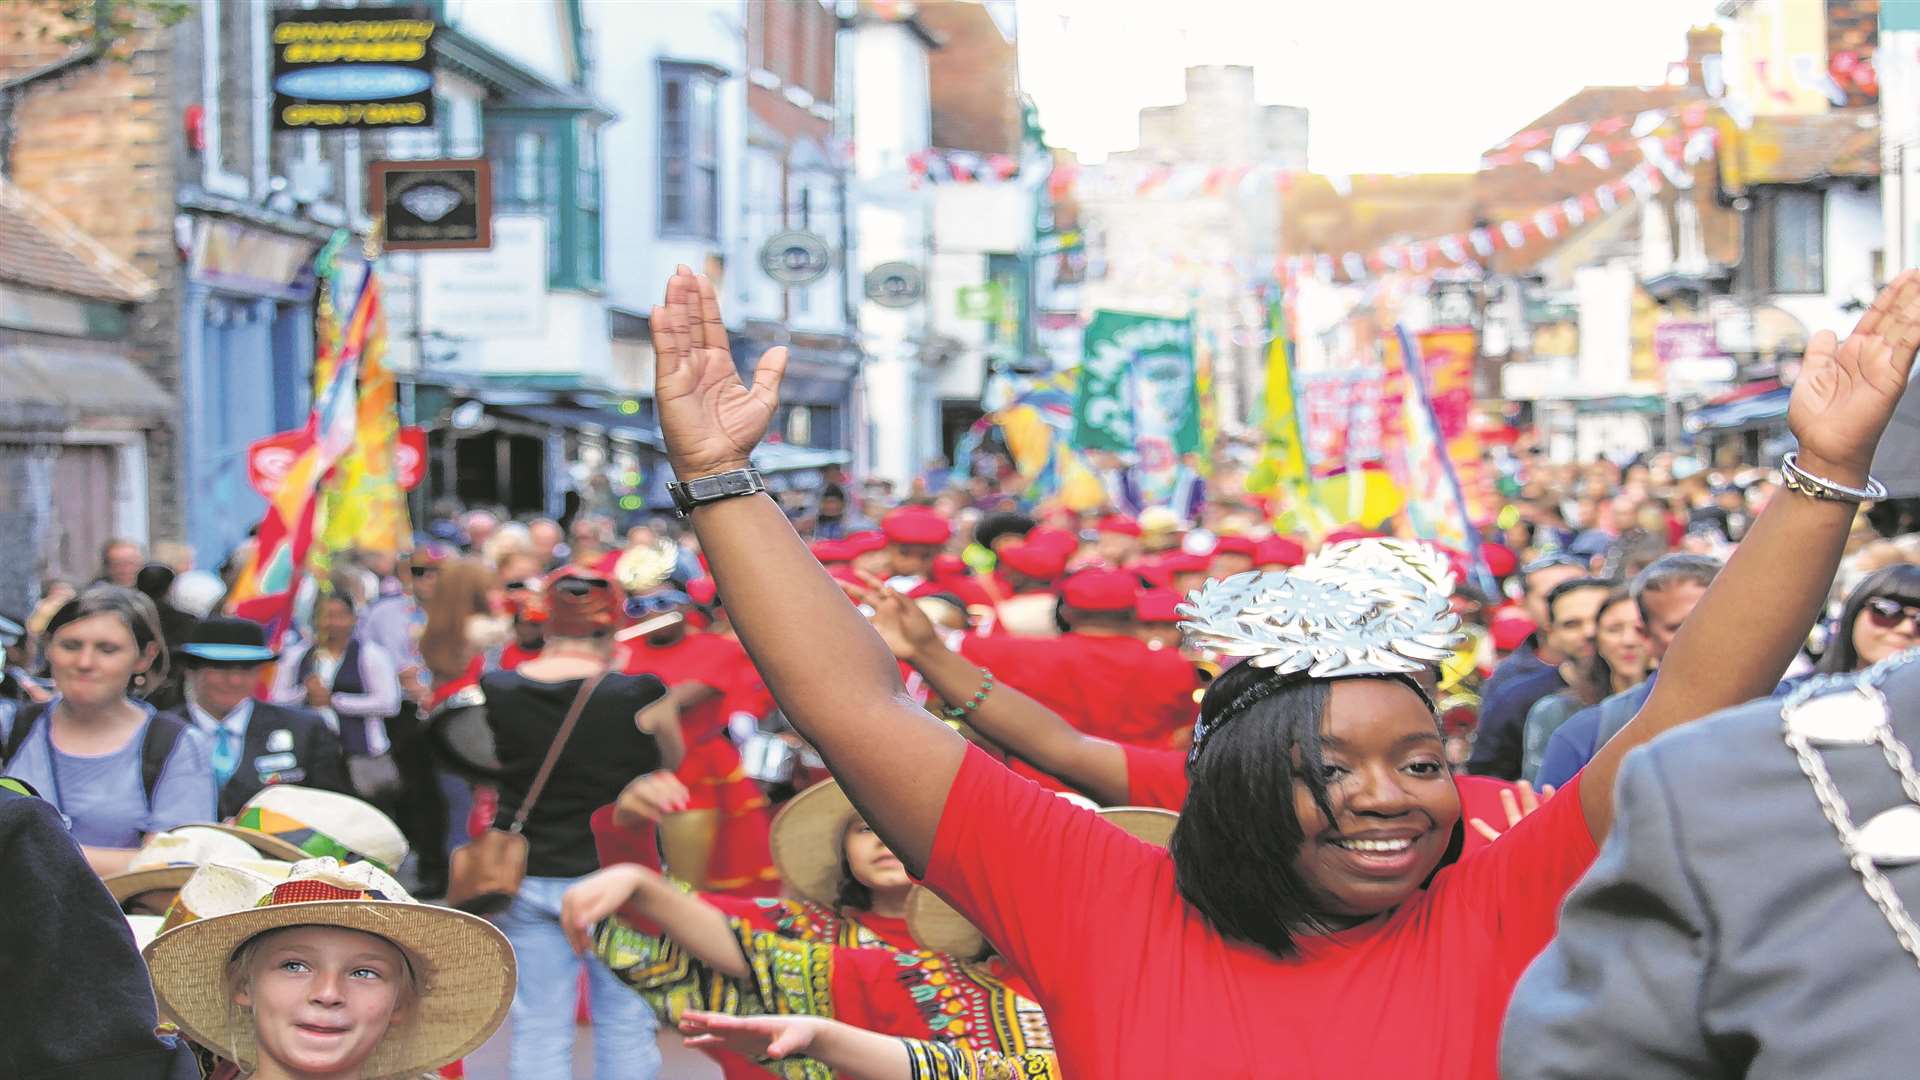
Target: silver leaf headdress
{"points": [[1366, 607]]}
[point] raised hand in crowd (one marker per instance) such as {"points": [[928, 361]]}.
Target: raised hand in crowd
{"points": [[849, 1051], [1517, 802], [649, 798]]}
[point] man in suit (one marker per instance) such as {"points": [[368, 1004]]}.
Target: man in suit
{"points": [[254, 743], [1723, 930]]}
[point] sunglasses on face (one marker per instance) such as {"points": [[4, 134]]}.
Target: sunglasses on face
{"points": [[1888, 613], [655, 603], [422, 571], [579, 585]]}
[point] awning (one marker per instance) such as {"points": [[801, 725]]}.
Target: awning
{"points": [[782, 458], [50, 389], [583, 417], [1757, 410]]}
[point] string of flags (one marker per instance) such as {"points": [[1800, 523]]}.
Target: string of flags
{"points": [[1468, 248], [1547, 148]]}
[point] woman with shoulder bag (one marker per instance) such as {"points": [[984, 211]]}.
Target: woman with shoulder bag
{"points": [[569, 736]]}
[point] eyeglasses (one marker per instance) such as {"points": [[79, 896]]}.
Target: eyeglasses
{"points": [[655, 603], [1888, 613], [578, 585]]}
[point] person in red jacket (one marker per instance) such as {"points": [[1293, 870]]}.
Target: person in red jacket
{"points": [[1098, 675]]}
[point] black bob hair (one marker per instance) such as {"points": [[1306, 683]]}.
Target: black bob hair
{"points": [[1901, 582], [1235, 846]]}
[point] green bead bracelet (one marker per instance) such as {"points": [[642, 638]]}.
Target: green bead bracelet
{"points": [[959, 712]]}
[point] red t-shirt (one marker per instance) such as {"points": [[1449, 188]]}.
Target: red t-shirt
{"points": [[1136, 984], [1159, 778], [1113, 687], [710, 660]]}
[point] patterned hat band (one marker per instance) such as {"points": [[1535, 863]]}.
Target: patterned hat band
{"points": [[312, 841], [307, 891]]}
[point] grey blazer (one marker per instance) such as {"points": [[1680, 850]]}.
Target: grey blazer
{"points": [[1722, 932]]}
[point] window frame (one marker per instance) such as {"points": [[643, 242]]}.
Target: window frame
{"points": [[1817, 283], [213, 176], [569, 219], [687, 74]]}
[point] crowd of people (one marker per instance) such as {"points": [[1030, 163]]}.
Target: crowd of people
{"points": [[952, 788]]}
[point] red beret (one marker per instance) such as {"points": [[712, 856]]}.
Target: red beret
{"points": [[861, 543], [1119, 524], [1156, 606], [1234, 545], [1350, 532], [1100, 590], [916, 525], [1500, 559], [1510, 629], [1182, 563], [702, 591], [1034, 560], [1059, 539], [949, 566], [1154, 572], [1280, 551], [830, 551]]}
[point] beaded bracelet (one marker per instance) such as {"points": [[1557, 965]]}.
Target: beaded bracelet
{"points": [[959, 712]]}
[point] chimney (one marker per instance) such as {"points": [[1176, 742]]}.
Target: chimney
{"points": [[1702, 42]]}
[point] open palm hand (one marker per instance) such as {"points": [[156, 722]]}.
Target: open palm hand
{"points": [[1847, 390], [711, 420]]}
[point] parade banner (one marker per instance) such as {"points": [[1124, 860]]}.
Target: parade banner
{"points": [[1136, 377], [410, 457], [1447, 358], [366, 506], [265, 588], [1282, 469], [1436, 508]]}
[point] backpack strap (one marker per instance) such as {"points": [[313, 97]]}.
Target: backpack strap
{"points": [[23, 720], [155, 747]]}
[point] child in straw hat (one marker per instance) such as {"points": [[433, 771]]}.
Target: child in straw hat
{"points": [[332, 974]]}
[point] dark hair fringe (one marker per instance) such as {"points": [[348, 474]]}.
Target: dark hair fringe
{"points": [[1901, 582]]}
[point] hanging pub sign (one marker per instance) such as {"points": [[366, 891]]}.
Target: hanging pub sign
{"points": [[442, 205], [895, 284], [352, 68], [795, 258]]}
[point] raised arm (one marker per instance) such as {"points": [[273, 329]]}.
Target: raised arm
{"points": [[830, 672], [647, 898], [1755, 616], [1012, 720]]}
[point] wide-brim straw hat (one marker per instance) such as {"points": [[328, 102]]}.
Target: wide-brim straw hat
{"points": [[168, 859], [936, 925], [463, 968], [290, 822], [807, 838]]}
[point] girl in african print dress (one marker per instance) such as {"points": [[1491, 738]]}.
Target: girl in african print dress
{"points": [[858, 1054]]}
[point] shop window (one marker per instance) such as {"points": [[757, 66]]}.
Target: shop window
{"points": [[548, 163], [1797, 241], [689, 151], [233, 36]]}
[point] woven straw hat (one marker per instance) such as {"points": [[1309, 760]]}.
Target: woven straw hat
{"points": [[168, 859], [936, 925], [287, 821], [806, 838], [463, 967], [206, 890]]}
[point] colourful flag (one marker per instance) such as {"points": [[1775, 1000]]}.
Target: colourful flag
{"points": [[1282, 469], [266, 586], [365, 505], [1435, 505]]}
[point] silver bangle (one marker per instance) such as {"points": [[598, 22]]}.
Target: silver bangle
{"points": [[1819, 487]]}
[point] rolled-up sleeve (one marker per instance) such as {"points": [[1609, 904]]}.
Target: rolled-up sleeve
{"points": [[1618, 994]]}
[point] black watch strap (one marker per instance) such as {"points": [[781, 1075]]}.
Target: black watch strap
{"points": [[707, 489]]}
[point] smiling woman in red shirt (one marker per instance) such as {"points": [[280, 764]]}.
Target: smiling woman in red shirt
{"points": [[1287, 932]]}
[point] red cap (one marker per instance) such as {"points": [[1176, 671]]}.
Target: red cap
{"points": [[1510, 629], [1235, 545], [1100, 590], [1119, 524], [1180, 562], [1048, 536], [830, 551], [861, 543], [948, 567], [1282, 551], [1034, 560], [1500, 559], [1155, 572], [702, 591], [916, 525], [1351, 532], [1156, 606]]}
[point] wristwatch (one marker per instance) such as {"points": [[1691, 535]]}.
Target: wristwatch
{"points": [[710, 489]]}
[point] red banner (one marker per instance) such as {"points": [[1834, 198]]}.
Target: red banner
{"points": [[1448, 359], [410, 457]]}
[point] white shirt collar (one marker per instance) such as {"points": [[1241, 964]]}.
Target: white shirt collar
{"points": [[235, 721]]}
